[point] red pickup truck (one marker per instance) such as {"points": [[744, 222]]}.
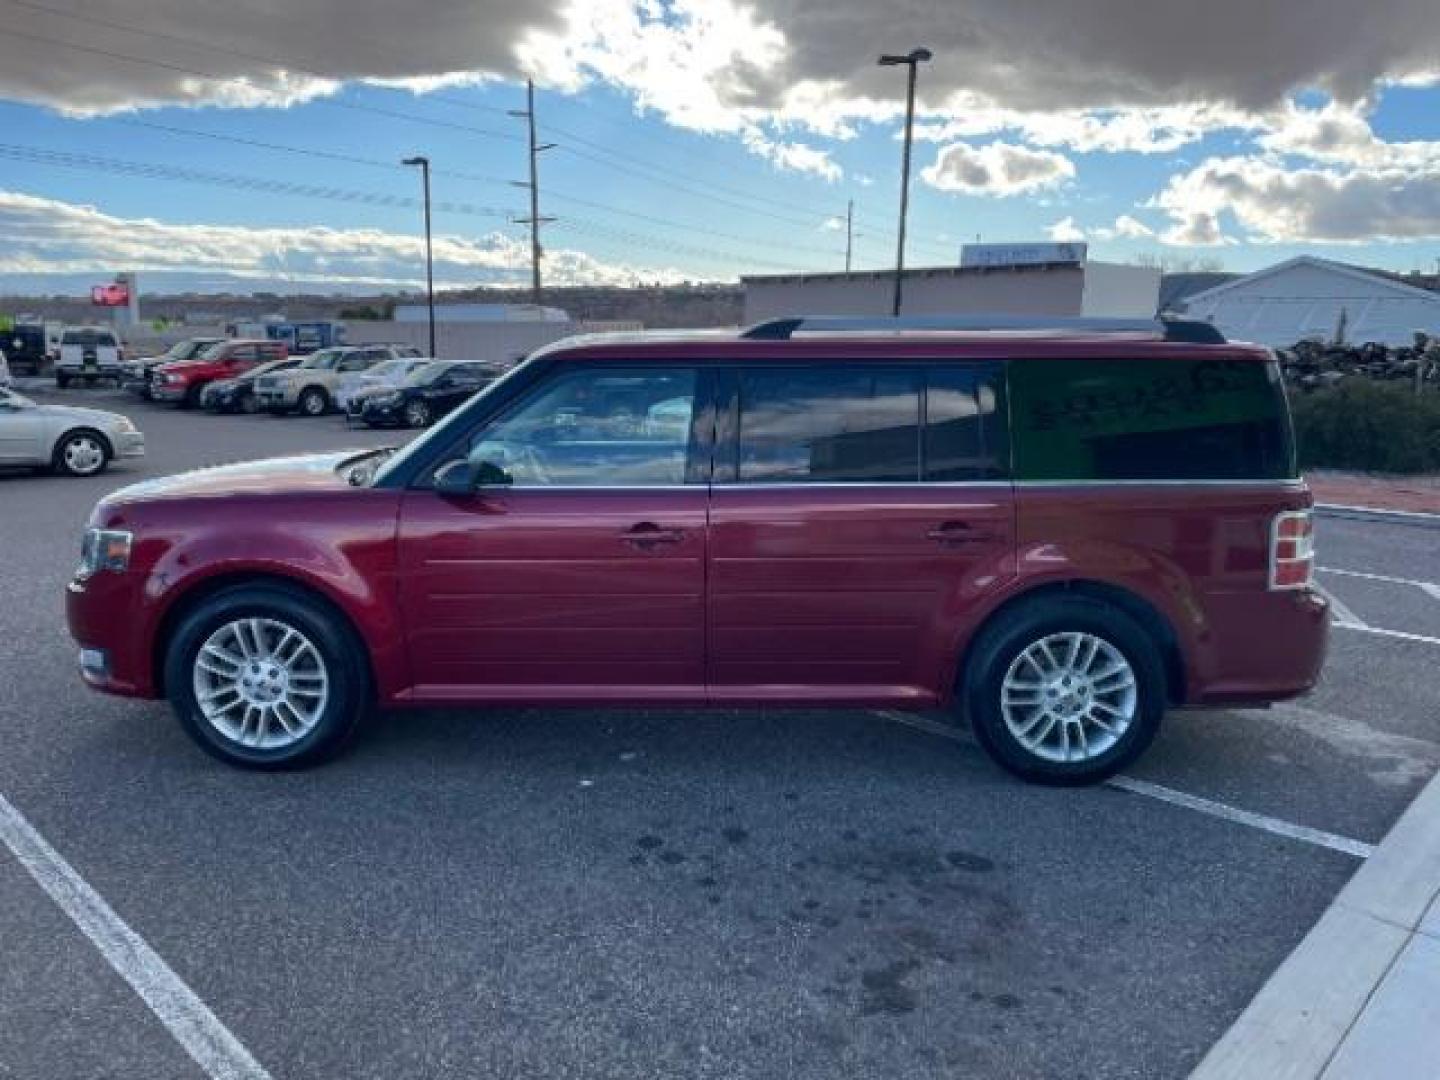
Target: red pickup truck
{"points": [[185, 380]]}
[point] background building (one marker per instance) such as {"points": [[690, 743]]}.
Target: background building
{"points": [[1309, 297], [1037, 279]]}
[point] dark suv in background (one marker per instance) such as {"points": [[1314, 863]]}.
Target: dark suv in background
{"points": [[1059, 530]]}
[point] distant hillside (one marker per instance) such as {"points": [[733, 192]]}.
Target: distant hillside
{"points": [[658, 306]]}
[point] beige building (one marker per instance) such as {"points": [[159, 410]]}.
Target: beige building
{"points": [[1072, 290]]}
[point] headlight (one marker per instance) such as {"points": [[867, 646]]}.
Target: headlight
{"points": [[104, 549]]}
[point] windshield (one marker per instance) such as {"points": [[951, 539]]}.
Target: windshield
{"points": [[9, 397], [390, 369], [90, 338], [428, 373], [324, 359], [265, 369]]}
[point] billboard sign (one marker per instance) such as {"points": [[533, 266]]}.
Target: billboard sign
{"points": [[116, 294], [978, 255]]}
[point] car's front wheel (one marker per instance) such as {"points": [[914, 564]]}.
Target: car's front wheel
{"points": [[314, 402], [265, 677], [1064, 690], [417, 413], [82, 453]]}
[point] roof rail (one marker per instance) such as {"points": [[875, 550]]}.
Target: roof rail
{"points": [[1186, 330]]}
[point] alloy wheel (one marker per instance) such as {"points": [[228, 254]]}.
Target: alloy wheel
{"points": [[1069, 697], [260, 683]]}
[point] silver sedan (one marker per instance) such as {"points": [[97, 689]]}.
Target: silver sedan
{"points": [[74, 441]]}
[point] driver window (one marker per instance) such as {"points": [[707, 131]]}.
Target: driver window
{"points": [[599, 428]]}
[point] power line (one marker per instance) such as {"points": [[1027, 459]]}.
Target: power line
{"points": [[460, 174], [599, 154]]}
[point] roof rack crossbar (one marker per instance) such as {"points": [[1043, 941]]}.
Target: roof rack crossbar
{"points": [[1186, 330]]}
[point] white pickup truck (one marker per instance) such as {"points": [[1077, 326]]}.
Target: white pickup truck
{"points": [[91, 353]]}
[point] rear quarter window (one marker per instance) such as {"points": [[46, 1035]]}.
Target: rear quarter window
{"points": [[1163, 419]]}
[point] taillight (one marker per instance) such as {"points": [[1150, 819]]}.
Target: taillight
{"points": [[1292, 550]]}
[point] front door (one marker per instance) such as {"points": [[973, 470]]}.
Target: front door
{"points": [[857, 511], [21, 431], [582, 578]]}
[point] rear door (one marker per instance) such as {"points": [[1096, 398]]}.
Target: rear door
{"points": [[857, 513], [583, 578]]}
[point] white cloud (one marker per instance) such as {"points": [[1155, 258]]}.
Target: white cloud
{"points": [[1065, 231], [791, 156], [1341, 134], [1273, 203], [997, 168], [49, 236]]}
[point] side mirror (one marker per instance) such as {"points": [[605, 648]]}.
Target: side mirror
{"points": [[465, 478]]}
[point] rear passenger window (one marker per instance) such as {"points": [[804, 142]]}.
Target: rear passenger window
{"points": [[964, 425], [833, 424], [1148, 420]]}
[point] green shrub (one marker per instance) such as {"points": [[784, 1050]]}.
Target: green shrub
{"points": [[1369, 426]]}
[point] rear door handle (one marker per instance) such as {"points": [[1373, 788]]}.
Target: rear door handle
{"points": [[647, 535], [955, 533]]}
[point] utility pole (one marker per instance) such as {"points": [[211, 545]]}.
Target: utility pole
{"points": [[849, 225], [911, 60], [534, 220], [424, 163]]}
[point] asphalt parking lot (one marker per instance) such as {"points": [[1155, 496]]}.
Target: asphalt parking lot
{"points": [[523, 893]]}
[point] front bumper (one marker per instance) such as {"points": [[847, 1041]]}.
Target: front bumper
{"points": [[113, 657], [168, 391], [372, 413], [129, 444]]}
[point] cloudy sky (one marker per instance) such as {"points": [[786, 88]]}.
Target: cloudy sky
{"points": [[702, 139]]}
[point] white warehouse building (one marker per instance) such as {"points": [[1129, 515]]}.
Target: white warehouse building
{"points": [[1310, 297], [992, 279]]}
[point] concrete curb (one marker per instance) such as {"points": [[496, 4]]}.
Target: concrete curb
{"points": [[1370, 513], [1307, 1012]]}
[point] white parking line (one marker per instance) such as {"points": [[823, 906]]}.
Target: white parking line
{"points": [[1402, 635], [1341, 611], [1429, 588], [1244, 817], [1264, 822], [184, 1015]]}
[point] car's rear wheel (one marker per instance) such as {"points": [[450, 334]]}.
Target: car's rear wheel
{"points": [[1064, 690], [313, 402], [191, 400], [82, 453], [62, 381], [417, 413], [248, 404], [265, 677]]}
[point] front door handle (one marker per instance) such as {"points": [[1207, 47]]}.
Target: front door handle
{"points": [[955, 533], [647, 535]]}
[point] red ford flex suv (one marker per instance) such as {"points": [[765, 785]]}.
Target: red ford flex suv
{"points": [[1058, 530]]}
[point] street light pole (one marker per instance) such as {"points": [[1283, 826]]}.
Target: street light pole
{"points": [[424, 163], [911, 60]]}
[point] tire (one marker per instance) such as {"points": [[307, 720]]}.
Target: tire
{"points": [[191, 400], [417, 414], [62, 382], [255, 732], [1060, 733], [248, 405], [82, 453], [313, 402]]}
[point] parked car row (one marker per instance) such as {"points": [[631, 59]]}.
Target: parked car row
{"points": [[375, 384]]}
